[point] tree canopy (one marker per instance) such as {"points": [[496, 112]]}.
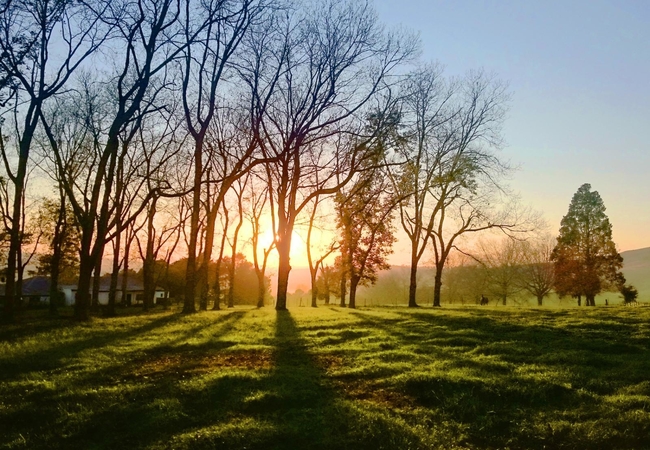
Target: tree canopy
{"points": [[585, 257]]}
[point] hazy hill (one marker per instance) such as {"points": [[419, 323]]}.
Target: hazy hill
{"points": [[636, 268]]}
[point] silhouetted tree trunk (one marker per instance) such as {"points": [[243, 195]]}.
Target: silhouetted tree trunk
{"points": [[343, 288], [239, 193], [115, 273], [354, 283], [437, 286], [97, 273], [57, 251], [150, 258], [125, 275], [219, 263]]}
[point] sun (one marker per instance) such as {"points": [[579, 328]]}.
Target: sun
{"points": [[298, 248]]}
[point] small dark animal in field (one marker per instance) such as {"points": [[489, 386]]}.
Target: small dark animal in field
{"points": [[484, 300]]}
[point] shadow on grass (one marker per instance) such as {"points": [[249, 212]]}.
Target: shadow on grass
{"points": [[522, 386], [501, 382], [51, 355], [208, 395]]}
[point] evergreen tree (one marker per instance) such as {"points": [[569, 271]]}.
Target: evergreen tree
{"points": [[585, 258]]}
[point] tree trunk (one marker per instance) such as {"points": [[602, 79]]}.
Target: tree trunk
{"points": [[260, 289], [343, 288], [112, 291], [413, 284], [149, 259], [203, 294], [354, 282], [97, 272], [283, 283], [590, 300], [56, 257], [15, 235], [437, 286], [540, 299], [125, 272], [217, 287], [19, 278], [284, 267], [189, 305], [148, 288], [314, 288], [82, 297]]}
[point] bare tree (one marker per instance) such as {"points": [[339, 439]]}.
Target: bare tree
{"points": [[150, 32], [322, 66], [31, 72], [502, 261], [426, 106], [259, 200], [468, 195], [238, 189], [316, 261], [538, 275], [216, 289], [206, 63]]}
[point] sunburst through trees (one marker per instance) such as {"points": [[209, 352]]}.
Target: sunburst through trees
{"points": [[172, 132]]}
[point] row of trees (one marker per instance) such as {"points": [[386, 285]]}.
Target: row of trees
{"points": [[168, 125], [581, 263], [504, 271]]}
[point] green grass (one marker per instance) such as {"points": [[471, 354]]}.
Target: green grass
{"points": [[330, 378]]}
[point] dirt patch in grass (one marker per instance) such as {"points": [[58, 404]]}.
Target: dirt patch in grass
{"points": [[179, 365], [328, 363], [380, 396]]}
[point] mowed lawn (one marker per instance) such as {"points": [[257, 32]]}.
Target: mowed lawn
{"points": [[330, 378]]}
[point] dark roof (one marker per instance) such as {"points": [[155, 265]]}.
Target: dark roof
{"points": [[38, 285]]}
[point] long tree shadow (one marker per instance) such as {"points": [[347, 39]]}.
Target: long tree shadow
{"points": [[50, 355], [247, 398], [211, 385], [55, 365]]}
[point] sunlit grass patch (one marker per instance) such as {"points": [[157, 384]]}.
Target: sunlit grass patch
{"points": [[330, 378]]}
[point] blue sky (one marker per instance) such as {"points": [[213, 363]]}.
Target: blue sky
{"points": [[579, 72]]}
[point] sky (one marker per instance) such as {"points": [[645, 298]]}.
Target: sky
{"points": [[579, 74]]}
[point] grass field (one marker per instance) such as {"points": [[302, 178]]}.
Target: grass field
{"points": [[330, 378]]}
